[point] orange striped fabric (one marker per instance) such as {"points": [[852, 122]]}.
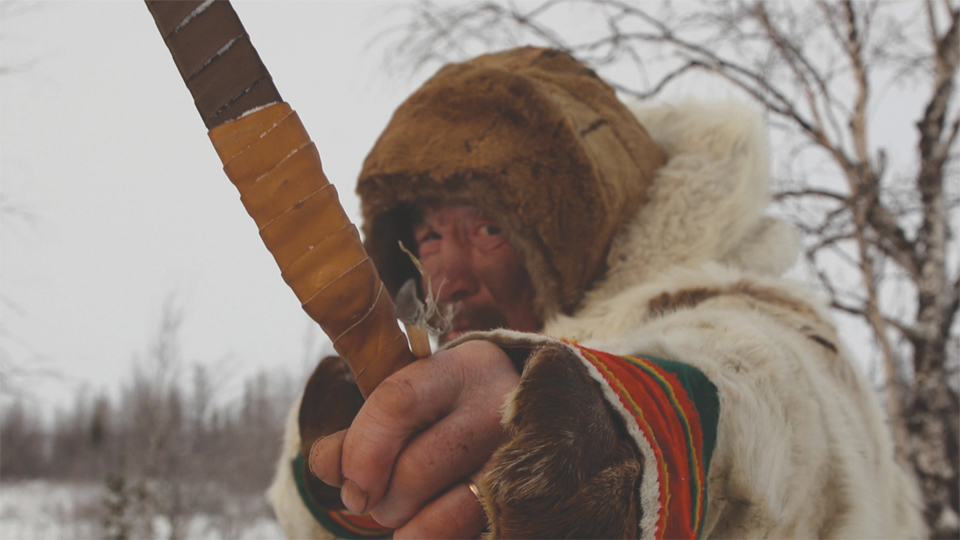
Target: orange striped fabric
{"points": [[676, 408]]}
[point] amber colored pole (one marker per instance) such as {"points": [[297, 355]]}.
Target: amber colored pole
{"points": [[269, 157]]}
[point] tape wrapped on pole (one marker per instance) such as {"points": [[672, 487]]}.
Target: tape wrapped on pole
{"points": [[318, 250], [269, 157]]}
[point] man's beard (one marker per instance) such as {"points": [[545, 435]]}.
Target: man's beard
{"points": [[474, 317]]}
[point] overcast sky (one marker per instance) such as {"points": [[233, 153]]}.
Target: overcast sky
{"points": [[126, 205], [101, 144]]}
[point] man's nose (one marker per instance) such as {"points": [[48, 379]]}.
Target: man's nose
{"points": [[455, 273]]}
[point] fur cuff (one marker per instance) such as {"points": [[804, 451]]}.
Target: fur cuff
{"points": [[628, 439], [671, 411]]}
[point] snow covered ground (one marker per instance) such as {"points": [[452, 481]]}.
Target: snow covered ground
{"points": [[40, 509]]}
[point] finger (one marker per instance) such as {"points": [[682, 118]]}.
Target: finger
{"points": [[324, 459], [442, 455], [405, 403], [455, 514]]}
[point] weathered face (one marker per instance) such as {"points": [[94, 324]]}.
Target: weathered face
{"points": [[465, 250]]}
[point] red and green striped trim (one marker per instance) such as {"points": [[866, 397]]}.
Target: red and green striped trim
{"points": [[341, 524], [676, 409]]}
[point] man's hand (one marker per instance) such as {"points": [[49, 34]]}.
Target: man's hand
{"points": [[420, 435]]}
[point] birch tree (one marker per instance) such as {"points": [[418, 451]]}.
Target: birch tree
{"points": [[878, 219]]}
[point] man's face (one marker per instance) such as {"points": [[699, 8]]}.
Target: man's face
{"points": [[483, 277]]}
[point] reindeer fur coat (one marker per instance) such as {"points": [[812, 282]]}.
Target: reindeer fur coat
{"points": [[802, 446]]}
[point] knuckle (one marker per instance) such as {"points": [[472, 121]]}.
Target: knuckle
{"points": [[489, 357], [471, 359], [397, 396], [477, 349]]}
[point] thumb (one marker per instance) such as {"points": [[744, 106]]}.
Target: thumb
{"points": [[324, 460]]}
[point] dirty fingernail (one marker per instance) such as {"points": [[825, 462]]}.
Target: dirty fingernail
{"points": [[354, 498]]}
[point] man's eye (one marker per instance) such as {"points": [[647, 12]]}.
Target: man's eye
{"points": [[489, 230], [488, 237], [428, 236]]}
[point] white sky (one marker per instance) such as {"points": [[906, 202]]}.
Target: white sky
{"points": [[100, 140]]}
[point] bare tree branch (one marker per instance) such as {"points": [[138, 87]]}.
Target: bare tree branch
{"points": [[780, 195]]}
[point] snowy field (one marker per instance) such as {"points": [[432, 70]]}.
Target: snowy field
{"points": [[48, 510]]}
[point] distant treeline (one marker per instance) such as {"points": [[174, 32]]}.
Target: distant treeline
{"points": [[154, 430], [170, 445]]}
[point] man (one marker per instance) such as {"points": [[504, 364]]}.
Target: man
{"points": [[695, 393]]}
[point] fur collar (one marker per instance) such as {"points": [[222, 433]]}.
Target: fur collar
{"points": [[705, 204]]}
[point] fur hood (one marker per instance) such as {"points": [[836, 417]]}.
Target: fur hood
{"points": [[531, 136]]}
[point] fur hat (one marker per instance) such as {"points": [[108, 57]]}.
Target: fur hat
{"points": [[531, 136]]}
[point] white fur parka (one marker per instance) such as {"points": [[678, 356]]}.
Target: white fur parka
{"points": [[802, 449]]}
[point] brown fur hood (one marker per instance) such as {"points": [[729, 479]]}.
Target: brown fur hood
{"points": [[531, 136], [592, 199]]}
